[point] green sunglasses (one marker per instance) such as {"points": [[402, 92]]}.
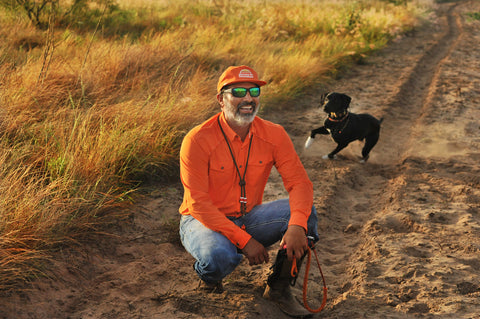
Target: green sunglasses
{"points": [[241, 92]]}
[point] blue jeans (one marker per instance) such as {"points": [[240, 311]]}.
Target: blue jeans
{"points": [[216, 256]]}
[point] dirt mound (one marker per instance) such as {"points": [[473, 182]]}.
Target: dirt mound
{"points": [[399, 234]]}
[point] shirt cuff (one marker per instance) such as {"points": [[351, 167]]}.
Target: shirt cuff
{"points": [[241, 239], [299, 219]]}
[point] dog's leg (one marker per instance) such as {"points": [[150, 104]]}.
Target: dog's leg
{"points": [[336, 150], [320, 130], [370, 141], [309, 142]]}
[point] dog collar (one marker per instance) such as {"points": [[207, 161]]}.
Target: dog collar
{"points": [[340, 120]]}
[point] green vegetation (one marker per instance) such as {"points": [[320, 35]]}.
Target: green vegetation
{"points": [[95, 103], [474, 15]]}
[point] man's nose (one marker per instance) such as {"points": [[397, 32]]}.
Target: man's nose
{"points": [[248, 97]]}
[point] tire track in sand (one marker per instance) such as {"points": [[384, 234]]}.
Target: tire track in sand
{"points": [[352, 198]]}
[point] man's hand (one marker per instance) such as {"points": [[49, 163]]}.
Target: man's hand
{"points": [[296, 242], [255, 252]]}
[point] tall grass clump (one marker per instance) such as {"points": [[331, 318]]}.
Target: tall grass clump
{"points": [[92, 109]]}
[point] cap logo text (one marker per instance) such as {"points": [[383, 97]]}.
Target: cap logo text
{"points": [[245, 73]]}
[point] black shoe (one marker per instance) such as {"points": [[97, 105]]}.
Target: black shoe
{"points": [[216, 288], [281, 295]]}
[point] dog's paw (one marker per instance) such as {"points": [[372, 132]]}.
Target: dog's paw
{"points": [[309, 142], [364, 159], [328, 157]]}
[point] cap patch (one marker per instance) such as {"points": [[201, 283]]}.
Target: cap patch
{"points": [[245, 73]]}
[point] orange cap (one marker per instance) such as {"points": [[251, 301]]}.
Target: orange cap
{"points": [[236, 74]]}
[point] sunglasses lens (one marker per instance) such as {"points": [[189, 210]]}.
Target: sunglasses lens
{"points": [[239, 92], [254, 92]]}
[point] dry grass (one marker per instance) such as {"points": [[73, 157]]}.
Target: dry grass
{"points": [[87, 116]]}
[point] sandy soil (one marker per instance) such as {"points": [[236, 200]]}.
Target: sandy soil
{"points": [[400, 235]]}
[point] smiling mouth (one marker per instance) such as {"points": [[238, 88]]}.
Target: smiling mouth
{"points": [[246, 109]]}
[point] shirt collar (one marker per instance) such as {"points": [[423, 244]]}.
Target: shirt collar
{"points": [[231, 133]]}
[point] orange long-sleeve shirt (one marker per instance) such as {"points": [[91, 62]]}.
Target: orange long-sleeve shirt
{"points": [[211, 181]]}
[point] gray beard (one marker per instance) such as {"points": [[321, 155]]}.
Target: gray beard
{"points": [[238, 118]]}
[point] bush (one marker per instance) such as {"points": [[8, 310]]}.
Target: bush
{"points": [[45, 12]]}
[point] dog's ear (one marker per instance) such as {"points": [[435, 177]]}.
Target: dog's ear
{"points": [[346, 100], [323, 98]]}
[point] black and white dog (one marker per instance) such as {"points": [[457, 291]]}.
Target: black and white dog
{"points": [[346, 127]]}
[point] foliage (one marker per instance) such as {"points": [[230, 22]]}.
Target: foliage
{"points": [[96, 105], [44, 12], [39, 12], [474, 15]]}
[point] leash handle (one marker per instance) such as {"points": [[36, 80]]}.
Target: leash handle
{"points": [[305, 280], [294, 271]]}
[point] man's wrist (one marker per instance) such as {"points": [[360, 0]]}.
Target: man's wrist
{"points": [[298, 226]]}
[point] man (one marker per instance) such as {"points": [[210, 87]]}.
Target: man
{"points": [[225, 163]]}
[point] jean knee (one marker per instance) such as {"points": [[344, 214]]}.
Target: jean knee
{"points": [[217, 264]]}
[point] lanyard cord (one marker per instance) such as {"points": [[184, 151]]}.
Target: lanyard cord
{"points": [[242, 183]]}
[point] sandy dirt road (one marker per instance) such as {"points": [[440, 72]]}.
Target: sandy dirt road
{"points": [[400, 235]]}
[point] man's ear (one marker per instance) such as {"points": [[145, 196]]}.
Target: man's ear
{"points": [[220, 98]]}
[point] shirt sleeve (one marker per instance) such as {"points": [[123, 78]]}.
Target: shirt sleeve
{"points": [[295, 180], [194, 167]]}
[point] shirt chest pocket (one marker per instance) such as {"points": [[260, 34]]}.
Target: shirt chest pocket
{"points": [[258, 169], [222, 175]]}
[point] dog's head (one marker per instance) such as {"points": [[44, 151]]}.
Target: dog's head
{"points": [[335, 104]]}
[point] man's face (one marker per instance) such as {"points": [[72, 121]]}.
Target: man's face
{"points": [[239, 110]]}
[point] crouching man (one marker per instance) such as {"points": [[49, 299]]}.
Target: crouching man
{"points": [[224, 166]]}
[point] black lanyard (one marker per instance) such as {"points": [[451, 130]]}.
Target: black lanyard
{"points": [[242, 183]]}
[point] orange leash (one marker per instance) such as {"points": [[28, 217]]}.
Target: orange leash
{"points": [[294, 273]]}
